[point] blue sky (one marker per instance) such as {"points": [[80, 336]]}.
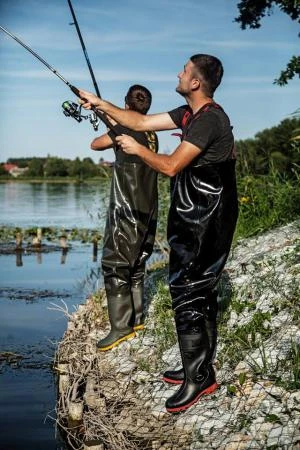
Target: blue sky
{"points": [[128, 42]]}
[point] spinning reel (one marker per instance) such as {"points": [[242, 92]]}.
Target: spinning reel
{"points": [[71, 109]]}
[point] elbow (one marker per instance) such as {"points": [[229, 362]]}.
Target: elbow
{"points": [[169, 172], [171, 168], [93, 145]]}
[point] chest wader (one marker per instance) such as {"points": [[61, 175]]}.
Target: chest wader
{"points": [[201, 225], [128, 243]]}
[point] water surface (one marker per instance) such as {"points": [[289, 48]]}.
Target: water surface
{"points": [[63, 205], [29, 328]]}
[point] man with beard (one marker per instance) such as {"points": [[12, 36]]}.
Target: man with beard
{"points": [[202, 216]]}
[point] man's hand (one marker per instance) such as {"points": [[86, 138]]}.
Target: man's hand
{"points": [[128, 144], [87, 99]]}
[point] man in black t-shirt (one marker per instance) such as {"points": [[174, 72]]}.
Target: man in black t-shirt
{"points": [[130, 226], [202, 216]]}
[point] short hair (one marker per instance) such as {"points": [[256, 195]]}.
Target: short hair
{"points": [[138, 98], [211, 71]]}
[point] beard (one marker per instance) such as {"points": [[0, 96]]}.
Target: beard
{"points": [[180, 90]]}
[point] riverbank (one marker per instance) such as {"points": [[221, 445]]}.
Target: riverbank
{"points": [[117, 397]]}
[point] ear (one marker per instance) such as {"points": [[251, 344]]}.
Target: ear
{"points": [[196, 84]]}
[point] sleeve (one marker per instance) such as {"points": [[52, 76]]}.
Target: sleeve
{"points": [[177, 115], [203, 131]]}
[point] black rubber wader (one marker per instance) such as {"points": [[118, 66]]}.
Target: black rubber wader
{"points": [[128, 243], [210, 323], [201, 225]]}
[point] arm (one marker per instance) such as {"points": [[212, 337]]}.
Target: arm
{"points": [[102, 142], [169, 165], [129, 119]]}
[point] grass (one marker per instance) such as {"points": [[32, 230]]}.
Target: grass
{"points": [[266, 202], [238, 341], [161, 319]]}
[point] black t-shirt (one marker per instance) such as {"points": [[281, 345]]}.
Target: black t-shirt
{"points": [[208, 129], [146, 138]]}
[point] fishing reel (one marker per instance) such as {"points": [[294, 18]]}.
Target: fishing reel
{"points": [[71, 109]]}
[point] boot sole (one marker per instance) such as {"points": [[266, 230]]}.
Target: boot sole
{"points": [[139, 327], [114, 344], [206, 391], [172, 381]]}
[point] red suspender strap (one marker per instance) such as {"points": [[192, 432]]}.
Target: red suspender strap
{"points": [[185, 118], [187, 114]]}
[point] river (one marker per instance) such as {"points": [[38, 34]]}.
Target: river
{"points": [[64, 205], [33, 289]]}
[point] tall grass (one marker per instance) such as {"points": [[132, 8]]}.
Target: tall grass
{"points": [[265, 201]]}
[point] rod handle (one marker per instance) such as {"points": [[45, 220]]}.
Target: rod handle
{"points": [[75, 90]]}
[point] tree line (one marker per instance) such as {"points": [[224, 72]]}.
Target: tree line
{"points": [[276, 148], [53, 166]]}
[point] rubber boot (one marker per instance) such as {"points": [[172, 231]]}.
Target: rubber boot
{"points": [[199, 376], [210, 322], [137, 293], [119, 312], [177, 376]]}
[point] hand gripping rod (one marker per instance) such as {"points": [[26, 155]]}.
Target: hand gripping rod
{"points": [[73, 88]]}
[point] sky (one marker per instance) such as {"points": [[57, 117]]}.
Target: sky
{"points": [[131, 41]]}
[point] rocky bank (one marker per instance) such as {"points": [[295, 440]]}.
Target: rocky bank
{"points": [[115, 400]]}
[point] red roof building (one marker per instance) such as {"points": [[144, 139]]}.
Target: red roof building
{"points": [[9, 167]]}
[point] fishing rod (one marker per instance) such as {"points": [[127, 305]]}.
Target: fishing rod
{"points": [[93, 118], [70, 109], [84, 49]]}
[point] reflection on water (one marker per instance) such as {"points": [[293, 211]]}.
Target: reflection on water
{"points": [[30, 325], [62, 259], [63, 205]]}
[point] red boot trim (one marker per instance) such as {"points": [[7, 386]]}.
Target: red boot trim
{"points": [[172, 381], [206, 391]]}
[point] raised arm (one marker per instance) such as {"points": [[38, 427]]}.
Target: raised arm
{"points": [[129, 119], [169, 165]]}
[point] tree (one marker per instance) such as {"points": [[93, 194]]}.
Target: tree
{"points": [[88, 168], [36, 167], [56, 167], [75, 168], [252, 11], [272, 148], [3, 171]]}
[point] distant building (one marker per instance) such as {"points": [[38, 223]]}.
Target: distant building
{"points": [[9, 167], [14, 170]]}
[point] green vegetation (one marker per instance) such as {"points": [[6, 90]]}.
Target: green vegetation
{"points": [[49, 234], [273, 149], [266, 201], [268, 178], [54, 168], [250, 15], [241, 339], [162, 322]]}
